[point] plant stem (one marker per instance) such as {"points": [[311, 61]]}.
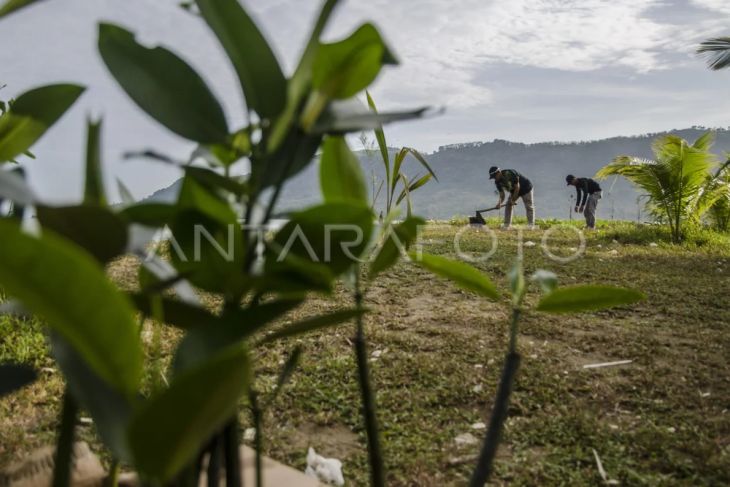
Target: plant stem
{"points": [[214, 462], [113, 478], [377, 472], [499, 414], [232, 455], [513, 330], [64, 445], [258, 439]]}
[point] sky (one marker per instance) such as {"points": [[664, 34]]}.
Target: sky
{"points": [[521, 70]]}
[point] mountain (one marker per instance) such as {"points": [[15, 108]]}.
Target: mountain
{"points": [[464, 186]]}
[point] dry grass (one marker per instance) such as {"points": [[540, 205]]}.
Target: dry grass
{"points": [[663, 419]]}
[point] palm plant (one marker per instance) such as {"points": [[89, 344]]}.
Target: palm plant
{"points": [[678, 183], [717, 51], [393, 173]]}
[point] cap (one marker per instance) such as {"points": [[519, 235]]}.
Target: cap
{"points": [[492, 171], [569, 179]]}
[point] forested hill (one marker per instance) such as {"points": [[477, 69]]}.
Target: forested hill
{"points": [[464, 186]]}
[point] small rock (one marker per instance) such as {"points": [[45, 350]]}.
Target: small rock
{"points": [[479, 426], [614, 241], [478, 366], [613, 426], [599, 246], [533, 356], [704, 394], [477, 388], [672, 429], [529, 243], [376, 354], [465, 439], [328, 470], [614, 252], [249, 434], [573, 249], [653, 244]]}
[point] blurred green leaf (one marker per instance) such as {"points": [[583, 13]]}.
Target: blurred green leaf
{"points": [[210, 251], [170, 429], [163, 85], [110, 410], [343, 69], [125, 193], [342, 117], [263, 83], [313, 324], [286, 372], [180, 314], [397, 237], [293, 275], [215, 181], [333, 234], [94, 193], [300, 83], [516, 278], [231, 327], [31, 114], [94, 228], [14, 377], [293, 155], [587, 298], [380, 137], [150, 214], [69, 291], [12, 5], [340, 174], [463, 275]]}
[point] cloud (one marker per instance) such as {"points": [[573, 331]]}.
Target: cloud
{"points": [[445, 45]]}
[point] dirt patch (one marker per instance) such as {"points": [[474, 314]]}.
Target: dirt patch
{"points": [[330, 441]]}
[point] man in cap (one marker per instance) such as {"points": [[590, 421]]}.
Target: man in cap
{"points": [[588, 193], [515, 186]]}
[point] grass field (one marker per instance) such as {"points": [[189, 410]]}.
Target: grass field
{"points": [[663, 419]]}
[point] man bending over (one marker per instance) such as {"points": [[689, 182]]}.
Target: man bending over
{"points": [[514, 185], [589, 192]]}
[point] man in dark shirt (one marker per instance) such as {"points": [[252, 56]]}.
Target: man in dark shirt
{"points": [[588, 193], [516, 186]]}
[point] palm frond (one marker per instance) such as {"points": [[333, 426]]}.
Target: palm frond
{"points": [[717, 51]]}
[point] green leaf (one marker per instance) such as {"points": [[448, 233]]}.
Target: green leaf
{"points": [[125, 193], [14, 188], [333, 234], [342, 117], [63, 285], [397, 240], [209, 251], [292, 156], [259, 73], [516, 278], [587, 298], [286, 372], [234, 325], [14, 377], [215, 181], [463, 275], [163, 85], [170, 430], [313, 324], [547, 280], [31, 114], [94, 193], [94, 228], [110, 410], [180, 314], [380, 137], [300, 83], [12, 5], [343, 69], [150, 214], [340, 174]]}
